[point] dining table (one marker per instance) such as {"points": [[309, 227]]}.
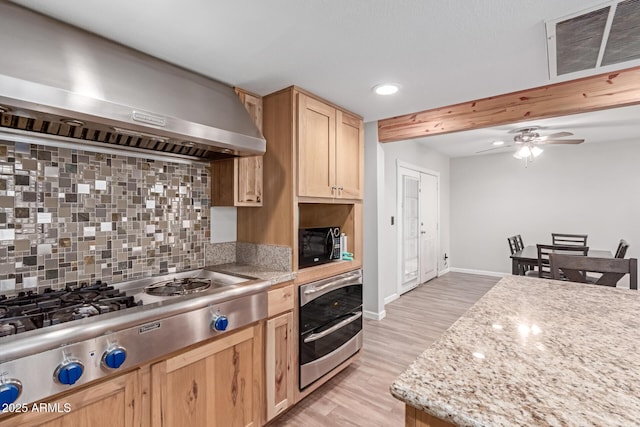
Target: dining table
{"points": [[528, 257]]}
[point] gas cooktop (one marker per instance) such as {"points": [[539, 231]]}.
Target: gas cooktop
{"points": [[29, 310]]}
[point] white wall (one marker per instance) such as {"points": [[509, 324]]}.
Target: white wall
{"points": [[588, 188], [414, 153]]}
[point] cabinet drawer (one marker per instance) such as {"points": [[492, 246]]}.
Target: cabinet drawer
{"points": [[280, 300]]}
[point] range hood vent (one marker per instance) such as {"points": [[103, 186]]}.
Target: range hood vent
{"points": [[62, 84], [597, 39]]}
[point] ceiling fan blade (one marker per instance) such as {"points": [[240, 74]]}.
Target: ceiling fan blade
{"points": [[562, 141], [493, 148], [558, 135]]}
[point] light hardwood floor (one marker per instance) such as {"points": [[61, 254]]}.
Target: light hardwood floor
{"points": [[359, 395]]}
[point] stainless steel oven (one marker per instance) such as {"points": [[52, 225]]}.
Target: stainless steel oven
{"points": [[330, 324]]}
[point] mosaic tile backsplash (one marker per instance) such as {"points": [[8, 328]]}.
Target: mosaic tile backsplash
{"points": [[72, 216]]}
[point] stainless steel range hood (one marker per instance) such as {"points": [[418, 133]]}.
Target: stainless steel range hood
{"points": [[63, 84]]}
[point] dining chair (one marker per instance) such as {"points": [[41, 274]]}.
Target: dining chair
{"points": [[519, 241], [574, 269], [622, 249], [569, 239], [544, 267], [513, 244]]}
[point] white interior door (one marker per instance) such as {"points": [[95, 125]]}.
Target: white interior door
{"points": [[428, 227], [409, 228]]}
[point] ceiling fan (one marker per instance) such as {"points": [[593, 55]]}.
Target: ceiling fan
{"points": [[528, 139]]}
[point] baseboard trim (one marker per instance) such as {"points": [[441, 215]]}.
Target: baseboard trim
{"points": [[391, 298], [480, 272], [443, 272], [373, 315]]}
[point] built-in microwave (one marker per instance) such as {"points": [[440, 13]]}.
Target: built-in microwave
{"points": [[318, 245]]}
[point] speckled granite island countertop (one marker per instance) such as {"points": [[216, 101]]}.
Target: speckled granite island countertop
{"points": [[259, 272], [534, 352]]}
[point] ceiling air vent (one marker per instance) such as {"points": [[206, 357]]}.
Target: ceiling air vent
{"points": [[595, 40]]}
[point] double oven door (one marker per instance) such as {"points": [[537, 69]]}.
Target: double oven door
{"points": [[330, 324]]}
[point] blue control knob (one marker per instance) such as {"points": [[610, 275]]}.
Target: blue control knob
{"points": [[70, 372], [9, 392], [220, 323], [114, 358]]}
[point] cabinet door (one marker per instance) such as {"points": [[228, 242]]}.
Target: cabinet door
{"points": [[248, 170], [249, 181], [316, 148], [111, 403], [279, 364], [214, 385], [349, 156]]}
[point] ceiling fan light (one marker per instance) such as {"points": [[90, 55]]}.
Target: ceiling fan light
{"points": [[524, 152], [536, 151]]}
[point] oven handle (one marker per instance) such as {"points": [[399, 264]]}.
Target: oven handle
{"points": [[345, 281], [315, 337]]}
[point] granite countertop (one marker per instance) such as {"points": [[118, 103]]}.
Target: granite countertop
{"points": [[259, 272], [534, 352]]}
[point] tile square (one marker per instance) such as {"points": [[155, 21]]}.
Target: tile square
{"points": [[7, 234], [44, 218], [21, 212], [30, 164], [7, 201], [30, 282], [29, 196], [22, 245], [51, 172], [7, 284], [23, 180], [44, 249]]}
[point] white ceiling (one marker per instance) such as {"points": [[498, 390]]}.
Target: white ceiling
{"points": [[440, 52]]}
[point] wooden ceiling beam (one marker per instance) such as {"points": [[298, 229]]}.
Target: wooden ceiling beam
{"points": [[615, 89]]}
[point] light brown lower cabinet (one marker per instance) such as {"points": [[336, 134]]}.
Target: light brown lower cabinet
{"points": [[280, 381], [114, 402], [217, 384]]}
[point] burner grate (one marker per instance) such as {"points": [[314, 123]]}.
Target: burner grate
{"points": [[177, 287], [28, 311]]}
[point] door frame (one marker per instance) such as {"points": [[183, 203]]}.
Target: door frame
{"points": [[407, 165]]}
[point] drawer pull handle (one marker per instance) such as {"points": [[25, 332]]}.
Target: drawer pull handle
{"points": [[315, 337]]}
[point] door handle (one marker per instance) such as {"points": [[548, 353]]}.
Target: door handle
{"points": [[423, 232], [315, 337]]}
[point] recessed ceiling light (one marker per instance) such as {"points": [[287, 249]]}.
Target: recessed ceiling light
{"points": [[386, 89], [498, 142]]}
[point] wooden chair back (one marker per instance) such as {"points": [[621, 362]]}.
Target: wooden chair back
{"points": [[575, 268], [622, 249], [519, 241], [544, 266], [513, 244], [569, 239]]}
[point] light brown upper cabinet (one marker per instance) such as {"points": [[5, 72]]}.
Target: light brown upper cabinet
{"points": [[238, 182], [330, 151]]}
